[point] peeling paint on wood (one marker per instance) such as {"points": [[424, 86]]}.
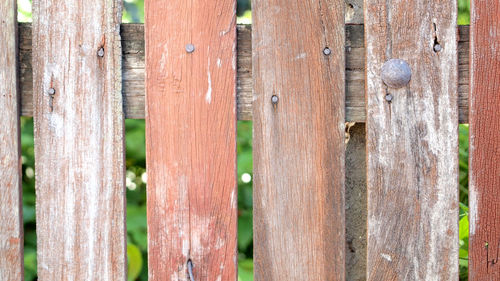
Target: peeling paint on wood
{"points": [[484, 148], [11, 219], [79, 140], [412, 142], [298, 139], [191, 139]]}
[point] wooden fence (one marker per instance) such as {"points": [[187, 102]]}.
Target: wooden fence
{"points": [[300, 73]]}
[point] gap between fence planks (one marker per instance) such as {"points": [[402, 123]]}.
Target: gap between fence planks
{"points": [[191, 139], [484, 148], [412, 142], [298, 142], [133, 72], [79, 140], [11, 219]]}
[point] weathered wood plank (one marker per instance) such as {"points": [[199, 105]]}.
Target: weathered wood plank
{"points": [[191, 139], [79, 142], [484, 149], [298, 140], [412, 142], [133, 72], [11, 218]]}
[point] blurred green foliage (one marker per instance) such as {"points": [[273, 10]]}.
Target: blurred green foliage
{"points": [[137, 177]]}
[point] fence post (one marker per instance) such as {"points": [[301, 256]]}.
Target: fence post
{"points": [[79, 140], [298, 110], [484, 157], [11, 219], [191, 139], [412, 140]]}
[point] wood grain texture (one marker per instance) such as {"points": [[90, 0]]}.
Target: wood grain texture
{"points": [[298, 142], [11, 218], [191, 139], [412, 142], [484, 148], [79, 141], [133, 71]]}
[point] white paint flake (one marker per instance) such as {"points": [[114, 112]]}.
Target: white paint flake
{"points": [[386, 257], [208, 95], [301, 56]]}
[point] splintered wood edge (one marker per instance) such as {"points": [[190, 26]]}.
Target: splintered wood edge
{"points": [[133, 72]]}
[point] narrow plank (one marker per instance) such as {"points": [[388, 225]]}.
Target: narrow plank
{"points": [[133, 72], [298, 139], [79, 142], [412, 141], [484, 157], [191, 139], [11, 218]]}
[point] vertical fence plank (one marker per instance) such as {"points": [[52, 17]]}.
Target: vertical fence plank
{"points": [[412, 141], [191, 138], [484, 179], [11, 220], [298, 69], [79, 141]]}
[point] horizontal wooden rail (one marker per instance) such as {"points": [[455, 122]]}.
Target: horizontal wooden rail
{"points": [[133, 71]]}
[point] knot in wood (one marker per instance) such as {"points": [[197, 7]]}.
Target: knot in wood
{"points": [[396, 73]]}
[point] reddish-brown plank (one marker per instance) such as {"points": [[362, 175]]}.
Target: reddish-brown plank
{"points": [[191, 139], [11, 219], [298, 113], [412, 141], [79, 141], [484, 148]]}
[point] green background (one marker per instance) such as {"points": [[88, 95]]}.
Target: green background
{"points": [[136, 177]]}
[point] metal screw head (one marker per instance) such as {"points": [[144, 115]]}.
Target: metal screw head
{"points": [[189, 48], [274, 99], [100, 52], [388, 97], [396, 73], [327, 51], [52, 91], [437, 48]]}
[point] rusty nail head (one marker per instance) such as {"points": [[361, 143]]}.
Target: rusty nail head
{"points": [[52, 91], [100, 52], [327, 51], [189, 48], [396, 73]]}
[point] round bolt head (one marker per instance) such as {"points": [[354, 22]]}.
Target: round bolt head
{"points": [[189, 48], [327, 51], [388, 97], [437, 48], [274, 99], [396, 73], [52, 91]]}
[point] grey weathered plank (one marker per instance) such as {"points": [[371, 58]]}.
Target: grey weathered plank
{"points": [[298, 143], [11, 220], [133, 72], [79, 141], [412, 142]]}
